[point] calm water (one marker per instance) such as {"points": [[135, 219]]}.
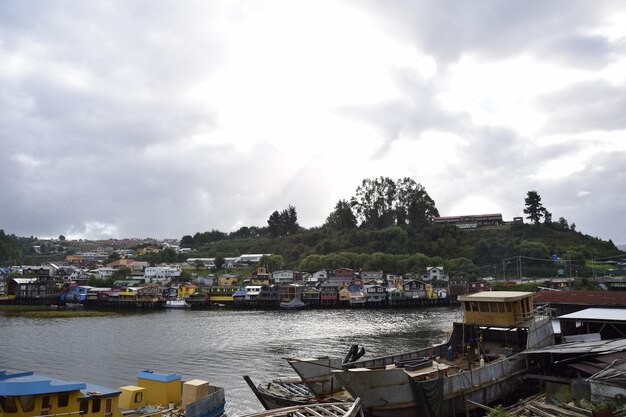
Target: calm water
{"points": [[218, 345]]}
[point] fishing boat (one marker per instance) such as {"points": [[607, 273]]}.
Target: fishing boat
{"points": [[480, 362], [25, 394], [294, 304], [288, 392], [340, 409], [177, 304]]}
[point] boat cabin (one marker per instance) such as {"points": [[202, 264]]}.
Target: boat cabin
{"points": [[497, 308]]}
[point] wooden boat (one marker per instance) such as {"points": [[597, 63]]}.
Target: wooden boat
{"points": [[341, 409], [177, 304], [25, 394], [290, 392], [497, 327]]}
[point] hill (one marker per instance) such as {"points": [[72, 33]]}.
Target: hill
{"points": [[535, 249]]}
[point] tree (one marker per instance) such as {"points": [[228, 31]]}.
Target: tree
{"points": [[283, 223], [289, 221], [187, 240], [534, 208], [61, 238], [414, 206], [273, 224], [219, 262], [547, 217], [271, 262], [374, 202], [342, 218], [563, 223]]}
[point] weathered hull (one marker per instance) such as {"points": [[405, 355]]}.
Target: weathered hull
{"points": [[393, 393]]}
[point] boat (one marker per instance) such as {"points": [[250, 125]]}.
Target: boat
{"points": [[288, 392], [25, 394], [177, 303], [294, 304], [340, 409], [481, 362]]}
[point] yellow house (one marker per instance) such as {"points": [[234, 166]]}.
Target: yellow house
{"points": [[184, 291], [227, 280], [221, 294], [344, 294]]}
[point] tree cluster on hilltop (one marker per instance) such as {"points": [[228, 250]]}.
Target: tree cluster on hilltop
{"points": [[390, 223]]}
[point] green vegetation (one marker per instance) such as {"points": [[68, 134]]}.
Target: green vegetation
{"points": [[387, 225]]}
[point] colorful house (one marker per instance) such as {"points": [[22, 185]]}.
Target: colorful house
{"points": [[185, 290]]}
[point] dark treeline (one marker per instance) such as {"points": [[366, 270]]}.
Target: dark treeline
{"points": [[389, 226]]}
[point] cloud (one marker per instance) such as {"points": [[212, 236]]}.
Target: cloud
{"points": [[584, 106], [155, 118]]}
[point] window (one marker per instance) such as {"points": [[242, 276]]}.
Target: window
{"points": [[7, 405], [45, 405], [138, 397], [84, 407], [95, 405], [108, 407], [27, 402], [63, 399], [484, 307]]}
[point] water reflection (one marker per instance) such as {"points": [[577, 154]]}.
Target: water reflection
{"points": [[218, 345]]}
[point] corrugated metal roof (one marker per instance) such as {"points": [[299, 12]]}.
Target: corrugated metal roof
{"points": [[599, 347], [591, 298], [604, 314]]}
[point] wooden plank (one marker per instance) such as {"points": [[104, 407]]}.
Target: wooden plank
{"points": [[479, 405]]}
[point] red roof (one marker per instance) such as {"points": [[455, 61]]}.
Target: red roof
{"points": [[596, 298], [469, 215]]}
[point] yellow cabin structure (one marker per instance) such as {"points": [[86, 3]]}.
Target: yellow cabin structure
{"points": [[132, 397], [161, 389], [497, 308]]}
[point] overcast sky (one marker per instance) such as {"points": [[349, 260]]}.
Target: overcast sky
{"points": [[165, 118]]}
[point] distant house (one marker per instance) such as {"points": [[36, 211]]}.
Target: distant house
{"points": [[342, 276], [227, 280], [185, 290], [260, 276], [41, 289], [162, 274], [375, 294], [283, 277], [132, 264], [414, 289], [435, 273], [329, 294], [372, 276], [319, 276], [249, 259], [206, 281], [473, 221]]}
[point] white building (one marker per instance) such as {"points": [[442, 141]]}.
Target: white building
{"points": [[435, 273], [283, 277], [161, 274]]}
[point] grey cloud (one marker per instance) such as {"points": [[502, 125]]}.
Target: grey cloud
{"points": [[416, 111], [584, 106], [448, 29]]}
